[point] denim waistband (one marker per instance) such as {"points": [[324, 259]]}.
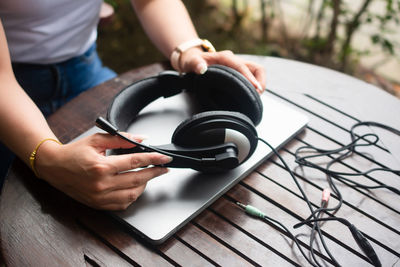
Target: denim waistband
{"points": [[72, 60], [52, 85]]}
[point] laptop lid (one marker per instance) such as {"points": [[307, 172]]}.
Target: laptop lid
{"points": [[173, 199]]}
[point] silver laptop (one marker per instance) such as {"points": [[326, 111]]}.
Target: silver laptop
{"points": [[173, 199]]}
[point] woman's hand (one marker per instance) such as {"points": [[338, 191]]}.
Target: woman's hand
{"points": [[168, 25], [82, 171], [197, 61]]}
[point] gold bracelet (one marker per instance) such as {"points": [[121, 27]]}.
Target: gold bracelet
{"points": [[176, 54], [32, 157]]}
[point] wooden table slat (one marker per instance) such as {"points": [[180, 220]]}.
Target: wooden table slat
{"points": [[259, 230], [242, 243], [289, 218], [183, 253], [209, 246], [381, 196], [123, 243], [387, 138], [275, 171], [40, 218], [67, 233], [339, 134], [272, 191]]}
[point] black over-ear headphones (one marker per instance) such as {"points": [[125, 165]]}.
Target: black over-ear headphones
{"points": [[218, 139]]}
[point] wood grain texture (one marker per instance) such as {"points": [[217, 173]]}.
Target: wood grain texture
{"points": [[37, 232], [28, 219]]}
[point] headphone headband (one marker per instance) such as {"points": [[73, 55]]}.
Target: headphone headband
{"points": [[130, 101], [220, 88], [216, 140]]}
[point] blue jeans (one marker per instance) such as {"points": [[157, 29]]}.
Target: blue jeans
{"points": [[51, 86]]}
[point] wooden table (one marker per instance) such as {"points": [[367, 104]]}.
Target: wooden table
{"points": [[40, 226]]}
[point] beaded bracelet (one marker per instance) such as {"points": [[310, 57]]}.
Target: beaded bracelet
{"points": [[32, 157]]}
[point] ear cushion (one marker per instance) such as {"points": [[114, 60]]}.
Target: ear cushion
{"points": [[220, 88], [131, 100], [218, 127], [223, 88]]}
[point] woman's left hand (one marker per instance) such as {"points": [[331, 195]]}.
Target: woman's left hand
{"points": [[196, 60]]}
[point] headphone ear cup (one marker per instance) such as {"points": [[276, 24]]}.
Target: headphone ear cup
{"points": [[213, 128], [223, 88]]}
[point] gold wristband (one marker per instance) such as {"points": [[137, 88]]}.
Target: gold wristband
{"points": [[32, 157], [176, 54]]}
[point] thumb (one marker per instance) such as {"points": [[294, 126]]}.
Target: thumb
{"points": [[106, 141], [196, 64]]}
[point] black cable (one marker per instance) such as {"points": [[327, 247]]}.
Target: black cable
{"points": [[313, 214], [257, 213], [316, 214], [111, 129], [362, 242], [375, 124], [154, 149], [338, 155], [319, 213], [348, 150], [342, 153], [305, 199]]}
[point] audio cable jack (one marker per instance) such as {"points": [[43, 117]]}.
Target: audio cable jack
{"points": [[253, 211], [358, 236]]}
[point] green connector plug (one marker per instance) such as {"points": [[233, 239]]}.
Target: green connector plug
{"points": [[251, 210]]}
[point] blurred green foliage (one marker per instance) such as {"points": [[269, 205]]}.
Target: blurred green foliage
{"points": [[325, 39], [329, 27], [123, 45]]}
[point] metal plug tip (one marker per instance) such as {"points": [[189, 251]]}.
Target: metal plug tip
{"points": [[241, 205]]}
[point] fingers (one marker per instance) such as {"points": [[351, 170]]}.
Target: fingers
{"points": [[259, 73], [120, 199], [227, 58], [195, 64], [107, 141], [137, 160], [82, 171], [136, 178], [193, 60], [125, 188], [107, 191], [120, 190]]}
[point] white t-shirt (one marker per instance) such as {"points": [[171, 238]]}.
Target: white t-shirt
{"points": [[49, 31]]}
